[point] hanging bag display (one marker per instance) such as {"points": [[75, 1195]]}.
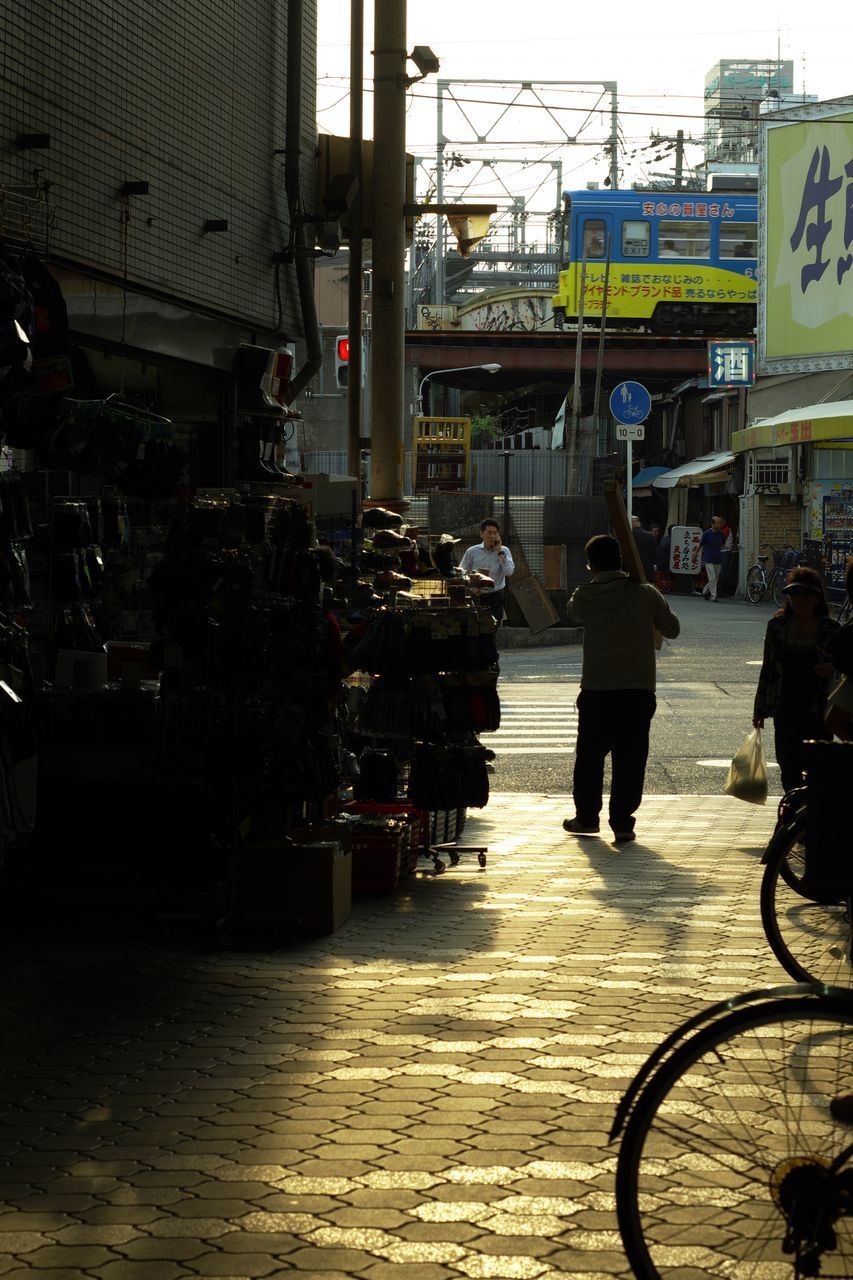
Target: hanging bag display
{"points": [[747, 776]]}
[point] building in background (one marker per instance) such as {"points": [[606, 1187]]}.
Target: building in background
{"points": [[144, 160], [798, 450]]}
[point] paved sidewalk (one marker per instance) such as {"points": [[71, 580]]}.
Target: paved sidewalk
{"points": [[425, 1094]]}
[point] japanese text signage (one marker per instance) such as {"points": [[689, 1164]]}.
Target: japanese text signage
{"points": [[807, 277], [731, 364], [685, 551]]}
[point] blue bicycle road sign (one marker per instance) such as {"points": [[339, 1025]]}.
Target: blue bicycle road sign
{"points": [[630, 403]]}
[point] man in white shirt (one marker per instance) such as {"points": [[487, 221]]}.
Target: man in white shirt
{"points": [[493, 559]]}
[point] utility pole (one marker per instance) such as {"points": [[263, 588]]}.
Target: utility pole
{"points": [[389, 197], [355, 296], [614, 135]]}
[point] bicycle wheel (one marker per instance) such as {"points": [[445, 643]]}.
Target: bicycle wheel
{"points": [[756, 584], [724, 1168], [811, 940], [778, 580]]}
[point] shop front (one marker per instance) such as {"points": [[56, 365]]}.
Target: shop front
{"points": [[799, 484]]}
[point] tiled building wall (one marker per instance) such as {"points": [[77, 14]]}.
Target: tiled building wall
{"points": [[188, 96]]}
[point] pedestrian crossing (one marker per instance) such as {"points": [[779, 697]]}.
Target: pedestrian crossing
{"points": [[540, 728]]}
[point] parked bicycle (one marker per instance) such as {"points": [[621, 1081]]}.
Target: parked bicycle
{"points": [[807, 903], [844, 610], [736, 1157], [759, 581]]}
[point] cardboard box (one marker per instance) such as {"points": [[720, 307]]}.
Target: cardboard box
{"points": [[303, 883]]}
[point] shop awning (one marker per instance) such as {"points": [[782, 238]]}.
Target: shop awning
{"points": [[641, 485], [830, 425], [708, 469]]}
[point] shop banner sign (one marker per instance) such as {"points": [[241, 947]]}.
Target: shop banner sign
{"points": [[806, 267], [685, 551]]}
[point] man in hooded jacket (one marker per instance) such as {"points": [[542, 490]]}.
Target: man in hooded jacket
{"points": [[617, 699]]}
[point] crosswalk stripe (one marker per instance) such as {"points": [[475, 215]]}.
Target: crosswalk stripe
{"points": [[536, 729]]}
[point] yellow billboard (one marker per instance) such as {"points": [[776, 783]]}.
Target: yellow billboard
{"points": [[806, 276]]}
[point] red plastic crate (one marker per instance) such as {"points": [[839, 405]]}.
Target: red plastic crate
{"points": [[420, 819], [377, 858]]}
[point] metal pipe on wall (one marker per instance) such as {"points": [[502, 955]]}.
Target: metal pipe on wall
{"points": [[293, 187], [355, 294]]}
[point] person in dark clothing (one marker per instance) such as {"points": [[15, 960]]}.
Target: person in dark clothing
{"points": [[794, 679], [646, 546], [617, 696], [712, 542], [662, 557]]}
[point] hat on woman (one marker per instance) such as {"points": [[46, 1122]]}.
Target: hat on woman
{"points": [[803, 579]]}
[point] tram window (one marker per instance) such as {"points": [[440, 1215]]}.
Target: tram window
{"points": [[636, 238], [593, 238], [683, 239], [738, 240]]}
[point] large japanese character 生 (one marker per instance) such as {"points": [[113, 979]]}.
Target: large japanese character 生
{"points": [[818, 190], [844, 263]]}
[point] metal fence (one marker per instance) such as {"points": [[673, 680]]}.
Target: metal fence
{"points": [[532, 472]]}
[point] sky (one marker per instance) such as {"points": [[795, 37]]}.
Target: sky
{"points": [[658, 55]]}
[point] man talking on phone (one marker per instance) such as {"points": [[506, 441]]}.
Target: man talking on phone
{"points": [[493, 559]]}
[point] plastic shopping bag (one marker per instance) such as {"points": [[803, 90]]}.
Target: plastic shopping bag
{"points": [[747, 776]]}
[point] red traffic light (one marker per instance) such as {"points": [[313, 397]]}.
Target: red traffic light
{"points": [[343, 348]]}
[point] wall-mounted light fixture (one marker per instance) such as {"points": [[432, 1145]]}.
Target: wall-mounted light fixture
{"points": [[134, 189], [32, 141], [216, 224]]}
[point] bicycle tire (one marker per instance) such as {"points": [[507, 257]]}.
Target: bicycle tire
{"points": [[810, 939], [724, 1128], [778, 583], [756, 584], [786, 845]]}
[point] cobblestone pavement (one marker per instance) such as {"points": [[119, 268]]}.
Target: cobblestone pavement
{"points": [[425, 1094]]}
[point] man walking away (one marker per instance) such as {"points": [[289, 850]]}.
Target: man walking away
{"points": [[646, 546], [617, 698], [493, 559], [712, 543]]}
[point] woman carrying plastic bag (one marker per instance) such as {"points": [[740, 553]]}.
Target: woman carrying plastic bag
{"points": [[747, 776]]}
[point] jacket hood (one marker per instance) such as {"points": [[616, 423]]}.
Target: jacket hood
{"points": [[609, 591]]}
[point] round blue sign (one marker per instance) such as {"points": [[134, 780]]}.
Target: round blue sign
{"points": [[630, 403]]}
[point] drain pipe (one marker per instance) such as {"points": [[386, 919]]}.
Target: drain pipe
{"points": [[293, 188]]}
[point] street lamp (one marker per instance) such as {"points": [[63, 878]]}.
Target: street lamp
{"points": [[489, 368]]}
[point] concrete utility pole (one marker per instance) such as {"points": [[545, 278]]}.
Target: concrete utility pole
{"points": [[389, 196], [355, 296]]}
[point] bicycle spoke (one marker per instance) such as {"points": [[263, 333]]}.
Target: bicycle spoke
{"points": [[716, 1168]]}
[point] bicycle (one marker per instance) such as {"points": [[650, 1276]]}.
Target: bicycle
{"points": [[759, 581], [808, 923], [736, 1158], [844, 611]]}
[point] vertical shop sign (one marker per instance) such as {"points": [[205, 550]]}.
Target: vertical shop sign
{"points": [[807, 269]]}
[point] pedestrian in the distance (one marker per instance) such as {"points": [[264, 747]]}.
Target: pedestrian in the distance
{"points": [[712, 543], [617, 699], [794, 679], [646, 546], [492, 558]]}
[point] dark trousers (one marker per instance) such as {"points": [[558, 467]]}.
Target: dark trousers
{"points": [[789, 735], [612, 722], [494, 602]]}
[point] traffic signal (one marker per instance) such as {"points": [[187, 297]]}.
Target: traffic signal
{"points": [[342, 363]]}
